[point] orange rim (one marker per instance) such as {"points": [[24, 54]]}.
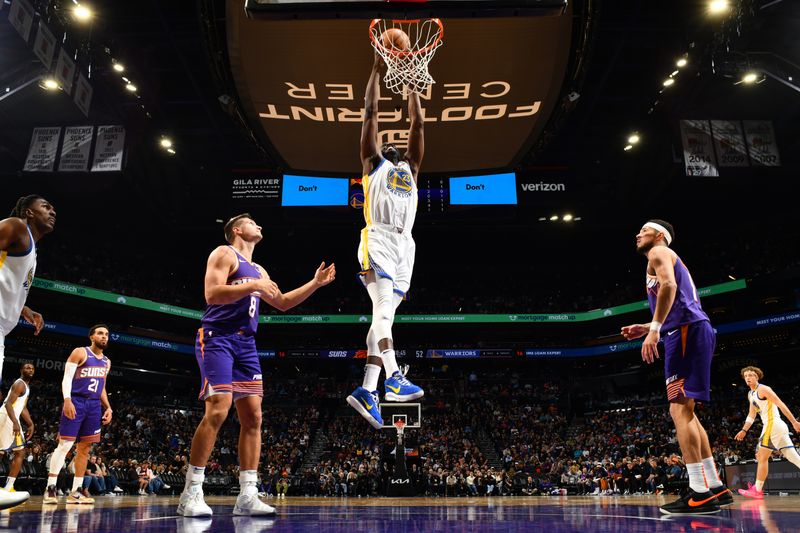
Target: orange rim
{"points": [[401, 53]]}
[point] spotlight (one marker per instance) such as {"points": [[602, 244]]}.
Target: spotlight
{"points": [[634, 138], [49, 84], [681, 62], [119, 67], [668, 82], [718, 6], [567, 218], [82, 13], [131, 87], [542, 219], [628, 147], [750, 77], [166, 142], [554, 218], [171, 151]]}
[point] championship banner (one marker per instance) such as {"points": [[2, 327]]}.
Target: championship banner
{"points": [[698, 150], [44, 46], [75, 149], [83, 94], [761, 143], [108, 149], [729, 143], [21, 17], [65, 71], [42, 152]]}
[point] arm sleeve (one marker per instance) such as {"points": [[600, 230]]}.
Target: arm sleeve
{"points": [[69, 374]]}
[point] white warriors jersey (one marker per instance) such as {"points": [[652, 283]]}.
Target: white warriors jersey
{"points": [[19, 403], [16, 278], [390, 196], [770, 414]]}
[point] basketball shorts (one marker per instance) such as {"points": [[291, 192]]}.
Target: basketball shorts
{"points": [[389, 254], [228, 364], [9, 441], [688, 351], [775, 436], [86, 425]]}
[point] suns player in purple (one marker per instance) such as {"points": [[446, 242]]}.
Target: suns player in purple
{"points": [[229, 366], [86, 409], [689, 342]]}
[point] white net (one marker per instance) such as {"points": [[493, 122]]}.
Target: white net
{"points": [[409, 67]]}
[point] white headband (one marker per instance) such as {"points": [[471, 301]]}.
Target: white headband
{"points": [[662, 229]]}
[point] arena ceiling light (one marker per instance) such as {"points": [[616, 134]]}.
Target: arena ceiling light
{"points": [[171, 151], [716, 7], [131, 87], [682, 62], [667, 82], [48, 84], [567, 218], [628, 147], [554, 218], [118, 67], [751, 77], [166, 142], [634, 138], [82, 13]]}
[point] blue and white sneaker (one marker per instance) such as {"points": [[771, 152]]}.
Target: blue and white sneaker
{"points": [[368, 405], [399, 389]]}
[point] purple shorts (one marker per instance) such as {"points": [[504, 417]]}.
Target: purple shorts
{"points": [[228, 364], [687, 361], [85, 427]]}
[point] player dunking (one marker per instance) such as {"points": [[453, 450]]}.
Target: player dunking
{"points": [[689, 342], [85, 410], [229, 366], [386, 251], [32, 218], [15, 409], [775, 436]]}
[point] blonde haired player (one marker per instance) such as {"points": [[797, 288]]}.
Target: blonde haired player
{"points": [[775, 435], [386, 250]]}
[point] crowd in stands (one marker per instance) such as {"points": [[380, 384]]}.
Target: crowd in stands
{"points": [[492, 434]]}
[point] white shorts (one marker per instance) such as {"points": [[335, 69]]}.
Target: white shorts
{"points": [[779, 439], [9, 441], [389, 253]]}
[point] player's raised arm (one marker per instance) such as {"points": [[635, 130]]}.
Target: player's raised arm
{"points": [[416, 134], [285, 301], [369, 128]]}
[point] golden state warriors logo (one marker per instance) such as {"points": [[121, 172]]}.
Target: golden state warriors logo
{"points": [[399, 182], [28, 280]]}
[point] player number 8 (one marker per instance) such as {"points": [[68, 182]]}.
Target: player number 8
{"points": [[252, 310]]}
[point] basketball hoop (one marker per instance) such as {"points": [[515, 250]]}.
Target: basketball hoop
{"points": [[408, 68], [400, 424]]}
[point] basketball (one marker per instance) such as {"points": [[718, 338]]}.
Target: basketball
{"points": [[395, 39]]}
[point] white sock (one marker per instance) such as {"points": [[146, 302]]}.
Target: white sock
{"points": [[371, 375], [697, 480], [248, 479], [712, 478], [10, 482], [790, 453], [389, 362], [77, 483], [52, 481], [760, 485], [195, 475]]}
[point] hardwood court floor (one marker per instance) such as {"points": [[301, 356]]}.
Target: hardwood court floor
{"points": [[553, 514]]}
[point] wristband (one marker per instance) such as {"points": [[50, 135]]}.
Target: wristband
{"points": [[655, 326]]}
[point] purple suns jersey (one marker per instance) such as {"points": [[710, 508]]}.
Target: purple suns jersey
{"points": [[90, 378], [241, 315], [686, 308]]}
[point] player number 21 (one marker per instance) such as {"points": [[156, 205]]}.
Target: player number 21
{"points": [[252, 310], [93, 383]]}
